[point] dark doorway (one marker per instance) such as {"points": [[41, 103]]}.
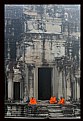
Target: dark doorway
{"points": [[16, 90], [6, 89], [44, 83]]}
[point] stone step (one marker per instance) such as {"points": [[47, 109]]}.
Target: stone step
{"points": [[77, 109], [77, 113], [68, 115], [55, 111], [56, 115], [42, 115], [37, 111], [68, 110], [53, 106], [64, 118]]}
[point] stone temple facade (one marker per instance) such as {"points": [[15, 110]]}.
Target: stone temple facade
{"points": [[47, 54]]}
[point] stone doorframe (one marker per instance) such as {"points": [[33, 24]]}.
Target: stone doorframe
{"points": [[36, 80]]}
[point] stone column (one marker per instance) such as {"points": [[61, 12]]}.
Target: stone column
{"points": [[68, 88], [74, 87], [73, 90], [26, 90], [10, 92], [10, 89], [63, 84], [60, 85], [56, 82], [25, 26], [36, 83], [53, 81], [31, 90], [78, 88], [10, 86], [33, 81], [21, 89], [30, 83]]}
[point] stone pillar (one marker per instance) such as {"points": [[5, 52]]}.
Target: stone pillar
{"points": [[30, 83], [31, 89], [53, 82], [25, 26], [10, 88], [10, 92], [74, 87], [56, 82], [33, 81], [21, 89], [36, 83], [34, 94], [68, 88], [26, 90], [78, 88], [60, 85], [73, 90], [63, 84]]}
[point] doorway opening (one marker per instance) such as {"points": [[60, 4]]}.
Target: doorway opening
{"points": [[44, 83], [16, 90]]}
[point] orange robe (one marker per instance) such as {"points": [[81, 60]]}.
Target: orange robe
{"points": [[53, 100], [33, 101], [61, 101]]}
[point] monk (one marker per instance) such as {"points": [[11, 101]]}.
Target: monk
{"points": [[33, 101], [32, 104], [53, 100], [61, 101]]}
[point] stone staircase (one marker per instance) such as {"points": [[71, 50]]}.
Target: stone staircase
{"points": [[77, 109], [68, 110], [43, 110], [37, 111], [51, 111], [55, 111]]}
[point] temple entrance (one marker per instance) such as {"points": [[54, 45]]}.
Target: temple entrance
{"points": [[16, 90], [44, 83]]}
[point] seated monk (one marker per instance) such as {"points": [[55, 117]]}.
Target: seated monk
{"points": [[61, 101], [33, 101], [53, 100]]}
